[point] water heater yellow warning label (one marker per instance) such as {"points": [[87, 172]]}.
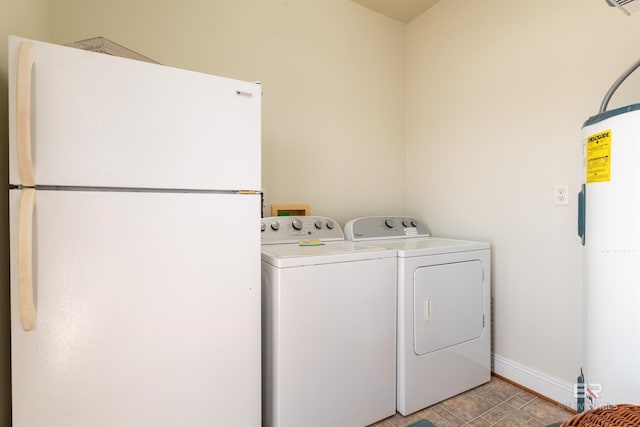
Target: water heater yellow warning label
{"points": [[599, 157]]}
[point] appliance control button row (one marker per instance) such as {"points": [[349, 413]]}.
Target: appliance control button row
{"points": [[277, 230], [409, 222], [297, 224]]}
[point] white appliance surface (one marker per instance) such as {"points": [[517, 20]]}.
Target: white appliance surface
{"points": [[421, 246], [328, 332], [134, 245], [117, 122], [612, 256], [132, 311], [294, 255], [443, 309]]}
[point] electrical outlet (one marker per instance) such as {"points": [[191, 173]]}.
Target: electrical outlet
{"points": [[561, 194]]}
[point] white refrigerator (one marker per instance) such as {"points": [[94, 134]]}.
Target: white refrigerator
{"points": [[135, 242]]}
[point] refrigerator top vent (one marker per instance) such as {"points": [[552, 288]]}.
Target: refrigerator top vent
{"points": [[626, 6], [103, 45]]}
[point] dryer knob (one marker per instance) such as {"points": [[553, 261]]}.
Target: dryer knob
{"points": [[297, 224], [409, 222], [275, 226], [389, 222], [330, 225], [318, 224], [263, 226]]}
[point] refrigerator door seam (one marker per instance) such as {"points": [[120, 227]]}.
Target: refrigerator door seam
{"points": [[135, 189]]}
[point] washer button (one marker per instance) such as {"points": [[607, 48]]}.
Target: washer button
{"points": [[297, 224]]}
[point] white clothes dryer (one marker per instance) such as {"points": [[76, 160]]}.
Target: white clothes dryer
{"points": [[444, 322], [329, 336]]}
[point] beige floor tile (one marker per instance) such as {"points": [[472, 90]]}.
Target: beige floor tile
{"points": [[511, 422], [467, 406], [497, 390], [536, 423], [503, 411], [545, 412], [520, 400], [478, 422], [495, 404]]}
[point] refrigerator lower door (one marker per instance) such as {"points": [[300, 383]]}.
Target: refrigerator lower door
{"points": [[147, 311]]}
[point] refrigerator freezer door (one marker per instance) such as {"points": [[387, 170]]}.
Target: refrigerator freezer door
{"points": [[102, 121], [143, 317]]}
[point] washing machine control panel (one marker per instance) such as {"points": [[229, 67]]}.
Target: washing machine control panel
{"points": [[294, 229], [384, 227]]}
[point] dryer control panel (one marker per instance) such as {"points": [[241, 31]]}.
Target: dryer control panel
{"points": [[293, 229], [384, 227]]}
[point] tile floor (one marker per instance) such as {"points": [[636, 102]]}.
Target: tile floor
{"points": [[496, 403]]}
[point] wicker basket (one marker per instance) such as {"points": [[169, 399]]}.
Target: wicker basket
{"points": [[614, 416]]}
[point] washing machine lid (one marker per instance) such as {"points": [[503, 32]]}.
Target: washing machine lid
{"points": [[429, 246], [297, 255]]}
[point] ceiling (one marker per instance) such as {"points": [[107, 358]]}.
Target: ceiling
{"points": [[401, 10]]}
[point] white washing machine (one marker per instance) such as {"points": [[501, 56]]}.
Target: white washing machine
{"points": [[444, 322], [329, 335]]}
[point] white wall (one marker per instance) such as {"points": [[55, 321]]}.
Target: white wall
{"points": [[333, 82], [29, 18], [497, 92]]}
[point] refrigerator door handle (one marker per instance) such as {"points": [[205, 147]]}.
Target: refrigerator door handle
{"points": [[25, 259], [26, 58]]}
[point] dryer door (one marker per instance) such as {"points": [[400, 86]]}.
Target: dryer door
{"points": [[448, 305]]}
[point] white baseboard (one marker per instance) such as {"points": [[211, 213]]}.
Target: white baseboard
{"points": [[541, 383]]}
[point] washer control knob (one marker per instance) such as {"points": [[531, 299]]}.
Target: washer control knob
{"points": [[263, 226], [389, 222], [275, 226], [330, 225], [318, 224], [297, 224], [409, 222]]}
